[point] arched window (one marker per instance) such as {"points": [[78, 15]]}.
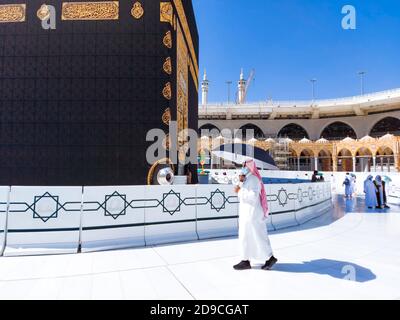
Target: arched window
{"points": [[249, 131], [209, 130], [385, 126], [385, 160], [364, 160], [325, 161], [345, 161], [338, 131], [307, 160], [293, 131]]}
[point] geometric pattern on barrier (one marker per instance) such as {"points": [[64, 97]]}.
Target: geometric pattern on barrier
{"points": [[109, 205], [217, 200], [3, 207], [164, 203], [45, 207]]}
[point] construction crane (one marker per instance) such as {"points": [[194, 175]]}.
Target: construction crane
{"points": [[248, 83]]}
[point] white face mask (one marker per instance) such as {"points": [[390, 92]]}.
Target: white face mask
{"points": [[245, 171]]}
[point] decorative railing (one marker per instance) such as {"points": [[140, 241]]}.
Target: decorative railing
{"points": [[55, 220], [263, 106]]}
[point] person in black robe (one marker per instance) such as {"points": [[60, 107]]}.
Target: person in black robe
{"points": [[381, 192]]}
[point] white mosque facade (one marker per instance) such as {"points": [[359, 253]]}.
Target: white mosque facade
{"points": [[360, 133]]}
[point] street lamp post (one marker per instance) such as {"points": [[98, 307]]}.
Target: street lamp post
{"points": [[229, 90], [362, 74], [313, 81]]}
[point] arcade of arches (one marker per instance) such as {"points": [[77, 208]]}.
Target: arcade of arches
{"points": [[334, 131], [348, 155]]}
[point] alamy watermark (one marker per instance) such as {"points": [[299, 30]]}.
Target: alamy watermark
{"points": [[183, 147], [350, 272], [349, 21], [48, 15]]}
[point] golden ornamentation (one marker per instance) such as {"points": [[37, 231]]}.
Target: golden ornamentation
{"points": [[168, 40], [175, 22], [166, 117], [167, 66], [12, 13], [185, 26], [194, 76], [154, 166], [104, 10], [182, 153], [137, 10], [166, 12], [166, 142], [182, 103], [44, 12], [167, 91]]}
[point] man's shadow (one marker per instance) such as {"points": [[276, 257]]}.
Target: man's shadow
{"points": [[336, 269]]}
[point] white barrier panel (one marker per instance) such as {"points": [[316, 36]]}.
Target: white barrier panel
{"points": [[43, 220], [313, 199], [170, 214], [217, 211], [281, 204], [112, 218], [48, 220], [335, 178], [393, 194], [4, 194]]}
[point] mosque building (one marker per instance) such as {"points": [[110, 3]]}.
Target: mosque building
{"points": [[358, 134]]}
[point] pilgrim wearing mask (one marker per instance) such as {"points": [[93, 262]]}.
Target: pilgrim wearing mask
{"points": [[253, 210]]}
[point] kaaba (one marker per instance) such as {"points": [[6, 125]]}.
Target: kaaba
{"points": [[79, 96]]}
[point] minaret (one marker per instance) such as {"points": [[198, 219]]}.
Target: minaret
{"points": [[204, 89], [241, 88]]}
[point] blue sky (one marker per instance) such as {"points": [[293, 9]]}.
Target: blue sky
{"points": [[289, 42]]}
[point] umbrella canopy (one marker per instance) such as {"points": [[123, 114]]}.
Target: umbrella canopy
{"points": [[240, 153], [387, 179]]}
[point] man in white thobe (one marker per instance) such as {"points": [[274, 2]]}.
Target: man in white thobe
{"points": [[253, 236]]}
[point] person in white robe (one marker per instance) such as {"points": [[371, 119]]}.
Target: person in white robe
{"points": [[353, 185], [253, 210], [371, 200], [348, 190]]}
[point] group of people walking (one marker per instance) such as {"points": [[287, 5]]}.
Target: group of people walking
{"points": [[375, 193], [350, 185]]}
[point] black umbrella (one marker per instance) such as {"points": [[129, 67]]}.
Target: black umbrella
{"points": [[240, 153]]}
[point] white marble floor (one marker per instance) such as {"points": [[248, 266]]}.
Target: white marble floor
{"points": [[316, 261]]}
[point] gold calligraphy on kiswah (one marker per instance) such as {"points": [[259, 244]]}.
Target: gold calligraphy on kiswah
{"points": [[104, 10], [12, 12], [185, 26]]}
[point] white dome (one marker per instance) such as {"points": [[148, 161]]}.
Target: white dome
{"points": [[305, 140], [367, 138], [322, 140], [387, 136], [348, 139]]}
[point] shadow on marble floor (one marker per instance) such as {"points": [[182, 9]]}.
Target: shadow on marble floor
{"points": [[336, 269]]}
